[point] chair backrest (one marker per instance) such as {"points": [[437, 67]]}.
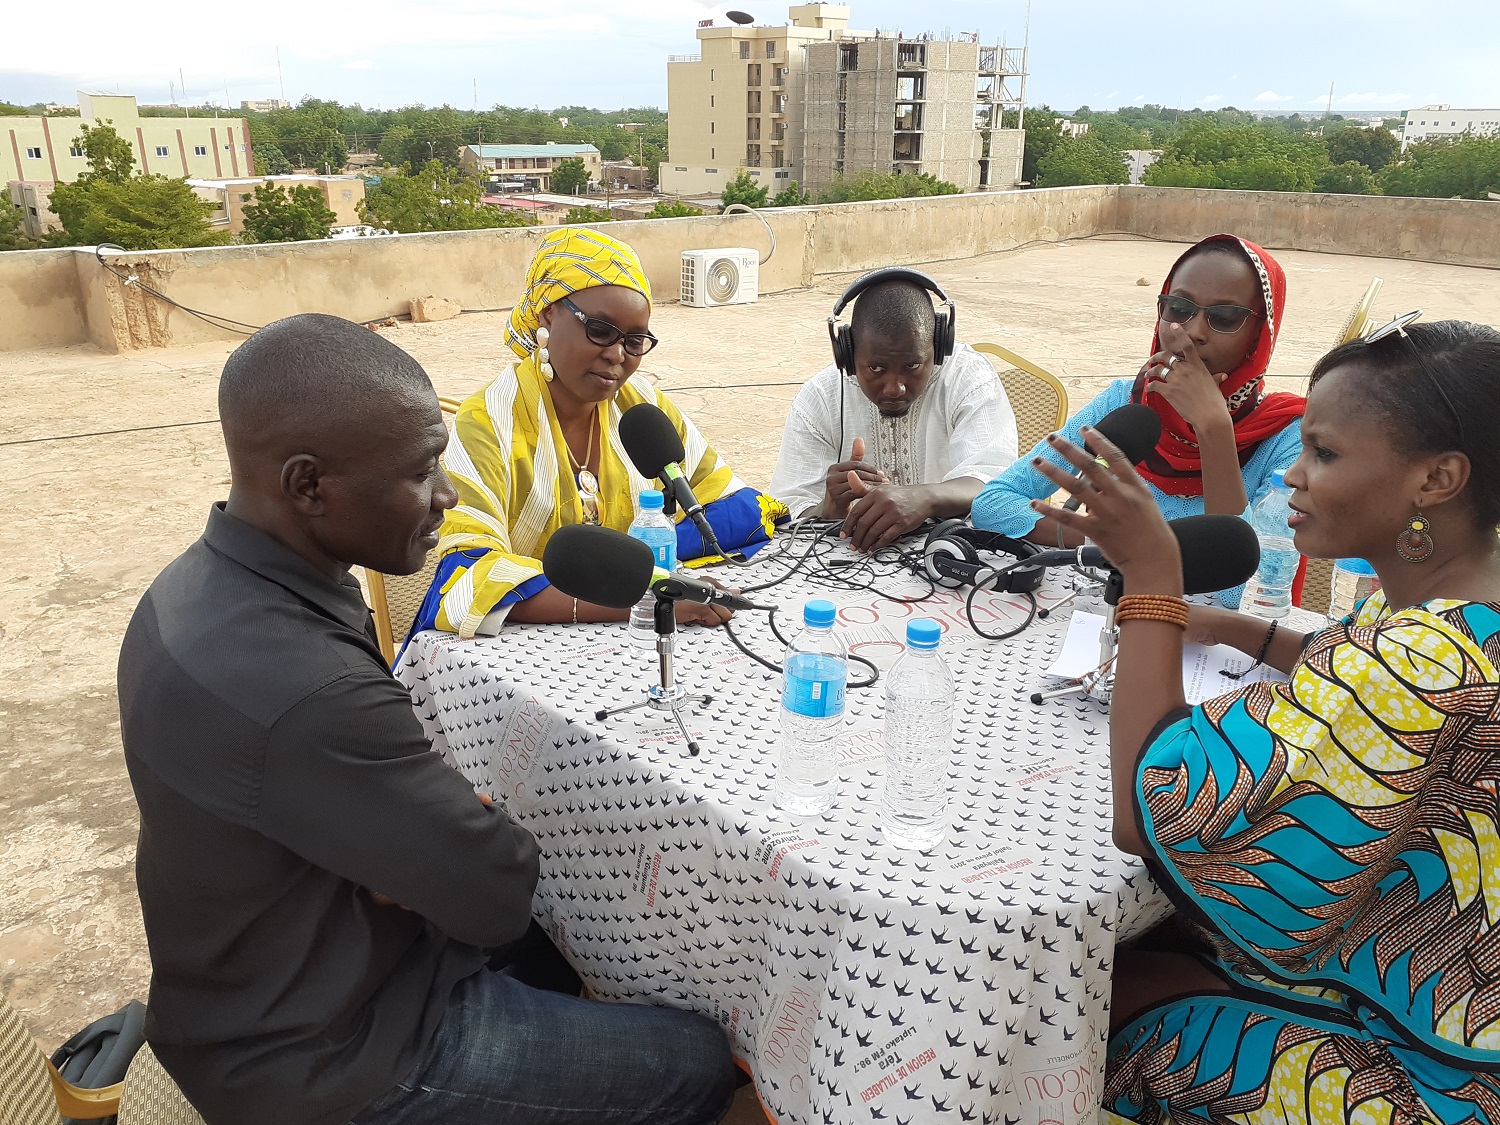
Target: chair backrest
{"points": [[26, 1093], [1317, 585], [1038, 397], [150, 1097], [395, 598]]}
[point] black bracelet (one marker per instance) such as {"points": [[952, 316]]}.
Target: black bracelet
{"points": [[1260, 656]]}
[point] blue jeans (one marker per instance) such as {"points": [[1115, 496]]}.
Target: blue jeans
{"points": [[508, 1052]]}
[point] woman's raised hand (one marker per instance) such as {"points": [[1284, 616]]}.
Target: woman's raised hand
{"points": [[1122, 518]]}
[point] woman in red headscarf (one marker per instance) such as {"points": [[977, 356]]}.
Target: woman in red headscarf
{"points": [[1222, 436]]}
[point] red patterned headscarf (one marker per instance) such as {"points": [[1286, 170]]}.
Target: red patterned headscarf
{"points": [[1175, 465]]}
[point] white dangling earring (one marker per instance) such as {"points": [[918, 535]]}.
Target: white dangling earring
{"points": [[543, 358]]}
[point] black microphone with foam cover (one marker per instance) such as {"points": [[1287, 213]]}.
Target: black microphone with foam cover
{"points": [[1134, 428], [607, 567], [655, 449], [599, 565], [1218, 552]]}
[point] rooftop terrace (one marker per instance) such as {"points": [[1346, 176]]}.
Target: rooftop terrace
{"points": [[91, 519]]}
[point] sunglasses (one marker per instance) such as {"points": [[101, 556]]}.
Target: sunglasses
{"points": [[605, 335], [1398, 327], [1221, 318]]}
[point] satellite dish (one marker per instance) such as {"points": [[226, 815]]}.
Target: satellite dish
{"points": [[740, 17]]}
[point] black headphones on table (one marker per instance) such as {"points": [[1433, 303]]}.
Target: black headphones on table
{"points": [[951, 557], [842, 335]]}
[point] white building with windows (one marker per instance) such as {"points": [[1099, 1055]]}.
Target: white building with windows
{"points": [[1432, 121]]}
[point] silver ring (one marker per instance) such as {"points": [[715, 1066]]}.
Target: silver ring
{"points": [[1171, 359]]}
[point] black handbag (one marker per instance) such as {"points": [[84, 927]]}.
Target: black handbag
{"points": [[100, 1054]]}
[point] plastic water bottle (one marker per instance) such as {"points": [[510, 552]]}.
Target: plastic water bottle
{"points": [[812, 713], [653, 528], [1354, 580], [1268, 594], [918, 741]]}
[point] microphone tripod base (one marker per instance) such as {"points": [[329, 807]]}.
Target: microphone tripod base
{"points": [[666, 695], [1098, 684]]}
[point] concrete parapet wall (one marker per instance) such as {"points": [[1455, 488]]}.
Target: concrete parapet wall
{"points": [[54, 298], [1460, 232]]}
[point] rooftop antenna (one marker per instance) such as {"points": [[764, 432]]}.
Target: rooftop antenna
{"points": [[185, 112], [279, 78], [1329, 111]]}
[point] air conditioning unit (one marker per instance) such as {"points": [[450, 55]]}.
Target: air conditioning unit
{"points": [[727, 276]]}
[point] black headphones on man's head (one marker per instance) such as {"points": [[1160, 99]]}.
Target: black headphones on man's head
{"points": [[842, 336], [951, 558]]}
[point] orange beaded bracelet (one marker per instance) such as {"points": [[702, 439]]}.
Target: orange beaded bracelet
{"points": [[1153, 607]]}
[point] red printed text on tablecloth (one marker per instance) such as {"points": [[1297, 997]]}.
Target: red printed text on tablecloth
{"points": [[648, 862], [981, 867], [1034, 773], [775, 848], [786, 1040], [527, 733]]}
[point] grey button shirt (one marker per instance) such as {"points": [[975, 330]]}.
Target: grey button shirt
{"points": [[281, 775]]}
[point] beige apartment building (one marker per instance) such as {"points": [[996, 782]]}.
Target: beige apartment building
{"points": [[42, 149], [529, 167], [812, 100]]}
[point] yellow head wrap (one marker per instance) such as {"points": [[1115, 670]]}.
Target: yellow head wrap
{"points": [[570, 259]]}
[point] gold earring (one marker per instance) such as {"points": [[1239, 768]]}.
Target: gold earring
{"points": [[543, 358], [1414, 544]]}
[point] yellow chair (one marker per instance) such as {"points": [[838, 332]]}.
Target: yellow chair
{"points": [[1358, 322], [150, 1097], [1037, 396], [395, 598], [32, 1092], [1317, 585]]}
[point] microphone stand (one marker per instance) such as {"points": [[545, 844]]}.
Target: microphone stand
{"points": [[1099, 683], [668, 694]]}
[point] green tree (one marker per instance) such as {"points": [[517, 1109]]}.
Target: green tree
{"points": [[743, 189], [1207, 153], [278, 215], [143, 213], [395, 144], [885, 185], [1465, 167], [108, 204], [1374, 148], [12, 228], [270, 161], [1349, 178], [672, 210], [790, 196], [1042, 136], [570, 177], [588, 216], [1082, 160], [435, 198], [111, 159]]}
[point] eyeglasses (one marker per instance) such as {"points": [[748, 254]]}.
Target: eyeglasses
{"points": [[606, 335], [1398, 327], [1221, 318]]}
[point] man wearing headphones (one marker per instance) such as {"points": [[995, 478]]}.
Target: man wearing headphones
{"points": [[904, 426]]}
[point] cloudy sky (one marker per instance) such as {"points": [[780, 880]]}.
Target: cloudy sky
{"points": [[1273, 54]]}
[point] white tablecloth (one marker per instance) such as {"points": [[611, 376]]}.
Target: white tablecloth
{"points": [[860, 982]]}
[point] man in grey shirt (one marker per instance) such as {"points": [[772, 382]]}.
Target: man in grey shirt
{"points": [[322, 894]]}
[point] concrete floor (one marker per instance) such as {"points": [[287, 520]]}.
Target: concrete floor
{"points": [[89, 520]]}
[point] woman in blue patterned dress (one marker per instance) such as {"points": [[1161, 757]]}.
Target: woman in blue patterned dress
{"points": [[1335, 838]]}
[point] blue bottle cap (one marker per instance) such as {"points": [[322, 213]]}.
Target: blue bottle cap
{"points": [[819, 613], [923, 633], [650, 498], [1355, 566], [1278, 479]]}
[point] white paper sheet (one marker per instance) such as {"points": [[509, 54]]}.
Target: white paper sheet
{"points": [[1202, 669], [1079, 654]]}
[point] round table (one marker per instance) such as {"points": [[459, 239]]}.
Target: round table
{"points": [[859, 982]]}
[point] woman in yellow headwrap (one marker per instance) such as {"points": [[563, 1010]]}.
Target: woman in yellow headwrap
{"points": [[539, 447]]}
